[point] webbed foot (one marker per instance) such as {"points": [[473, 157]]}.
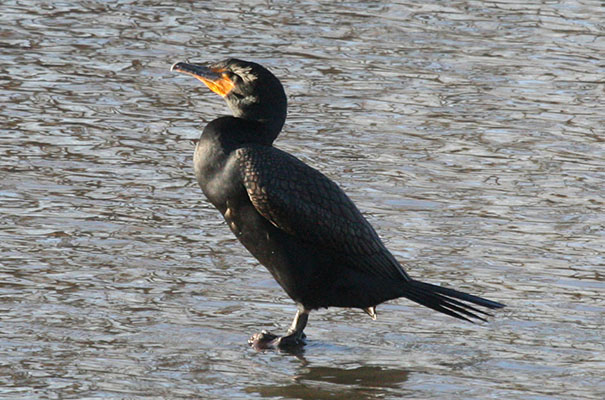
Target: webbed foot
{"points": [[266, 340]]}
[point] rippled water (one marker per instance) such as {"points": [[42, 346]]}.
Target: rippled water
{"points": [[470, 133]]}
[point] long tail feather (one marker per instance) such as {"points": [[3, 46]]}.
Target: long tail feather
{"points": [[448, 301]]}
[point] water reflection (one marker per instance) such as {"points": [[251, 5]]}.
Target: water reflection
{"points": [[318, 383]]}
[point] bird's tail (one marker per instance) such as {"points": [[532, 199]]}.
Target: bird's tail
{"points": [[448, 301]]}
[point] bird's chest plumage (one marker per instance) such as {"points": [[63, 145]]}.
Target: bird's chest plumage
{"points": [[219, 175], [217, 172]]}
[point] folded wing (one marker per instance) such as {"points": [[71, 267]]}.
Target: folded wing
{"points": [[304, 203]]}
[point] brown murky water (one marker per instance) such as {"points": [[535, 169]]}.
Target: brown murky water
{"points": [[470, 133]]}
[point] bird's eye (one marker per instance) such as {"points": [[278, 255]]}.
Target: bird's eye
{"points": [[233, 77]]}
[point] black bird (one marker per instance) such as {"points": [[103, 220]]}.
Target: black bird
{"points": [[297, 222]]}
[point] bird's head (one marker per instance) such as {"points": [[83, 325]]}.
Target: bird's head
{"points": [[250, 90]]}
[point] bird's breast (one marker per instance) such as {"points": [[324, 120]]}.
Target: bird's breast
{"points": [[218, 175]]}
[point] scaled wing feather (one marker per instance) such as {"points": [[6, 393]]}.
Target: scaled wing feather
{"points": [[303, 202]]}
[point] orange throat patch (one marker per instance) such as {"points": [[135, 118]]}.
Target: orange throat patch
{"points": [[221, 86]]}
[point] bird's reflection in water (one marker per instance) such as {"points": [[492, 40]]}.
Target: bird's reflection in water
{"points": [[364, 382]]}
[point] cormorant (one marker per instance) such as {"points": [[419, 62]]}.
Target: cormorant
{"points": [[297, 222]]}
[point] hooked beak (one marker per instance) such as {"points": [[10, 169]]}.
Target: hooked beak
{"points": [[216, 80]]}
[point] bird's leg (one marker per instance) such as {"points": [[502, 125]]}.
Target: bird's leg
{"points": [[294, 337], [295, 333]]}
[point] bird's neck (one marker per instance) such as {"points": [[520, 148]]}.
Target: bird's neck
{"points": [[266, 121], [268, 128], [232, 132]]}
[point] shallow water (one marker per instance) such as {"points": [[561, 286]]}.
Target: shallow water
{"points": [[470, 134]]}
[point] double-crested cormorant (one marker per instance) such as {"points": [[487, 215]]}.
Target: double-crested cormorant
{"points": [[298, 223]]}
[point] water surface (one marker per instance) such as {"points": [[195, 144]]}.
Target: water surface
{"points": [[469, 133]]}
